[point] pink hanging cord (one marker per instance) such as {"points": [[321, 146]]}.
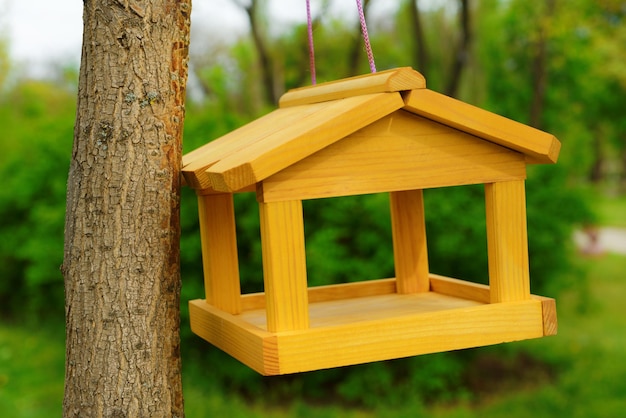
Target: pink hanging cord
{"points": [[366, 38], [311, 47]]}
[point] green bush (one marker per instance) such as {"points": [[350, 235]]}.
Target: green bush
{"points": [[37, 120], [347, 239]]}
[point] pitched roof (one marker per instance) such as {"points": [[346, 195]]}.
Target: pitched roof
{"points": [[311, 118]]}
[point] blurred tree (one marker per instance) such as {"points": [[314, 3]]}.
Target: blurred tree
{"points": [[121, 257], [539, 71], [5, 62], [355, 50], [4, 47], [420, 47], [440, 39], [461, 53], [556, 58], [254, 11]]}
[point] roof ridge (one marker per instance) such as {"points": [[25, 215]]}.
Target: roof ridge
{"points": [[389, 81]]}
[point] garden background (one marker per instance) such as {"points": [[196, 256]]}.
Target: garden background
{"points": [[557, 65]]}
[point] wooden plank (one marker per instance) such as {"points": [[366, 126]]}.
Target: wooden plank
{"points": [[550, 322], [219, 251], [398, 79], [460, 288], [284, 265], [507, 241], [369, 308], [410, 253], [239, 339], [332, 292], [292, 143], [401, 151], [369, 340], [410, 335], [374, 328], [197, 161], [540, 147], [248, 189]]}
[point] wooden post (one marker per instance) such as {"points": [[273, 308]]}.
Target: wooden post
{"points": [[219, 251], [284, 265], [409, 241], [507, 241]]}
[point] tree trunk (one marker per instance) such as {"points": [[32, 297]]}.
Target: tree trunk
{"points": [[121, 256], [597, 168], [420, 47], [357, 47], [265, 60], [539, 70], [462, 52]]}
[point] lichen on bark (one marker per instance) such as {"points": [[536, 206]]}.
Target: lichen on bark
{"points": [[121, 260]]}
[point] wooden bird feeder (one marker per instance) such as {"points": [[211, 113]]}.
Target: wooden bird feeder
{"points": [[379, 133]]}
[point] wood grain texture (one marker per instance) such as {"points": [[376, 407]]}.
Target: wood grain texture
{"points": [[410, 252], [507, 241], [367, 329], [354, 137], [401, 151], [197, 161], [460, 288], [296, 141], [219, 251], [284, 265], [253, 301], [121, 260], [550, 322], [409, 335], [539, 146], [230, 333], [394, 80]]}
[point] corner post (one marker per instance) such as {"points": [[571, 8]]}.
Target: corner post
{"points": [[409, 241], [219, 251], [284, 265], [507, 241]]}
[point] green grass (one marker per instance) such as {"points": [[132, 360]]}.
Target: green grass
{"points": [[31, 372], [612, 211], [589, 354]]}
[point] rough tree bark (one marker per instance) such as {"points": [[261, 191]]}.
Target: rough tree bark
{"points": [[121, 260]]}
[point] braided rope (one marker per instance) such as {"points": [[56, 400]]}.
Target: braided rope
{"points": [[311, 47], [366, 38]]}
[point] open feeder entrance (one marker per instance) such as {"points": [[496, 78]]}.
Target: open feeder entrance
{"points": [[348, 239], [291, 327], [381, 133], [457, 242]]}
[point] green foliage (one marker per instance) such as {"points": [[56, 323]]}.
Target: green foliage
{"points": [[36, 146], [587, 355], [611, 211], [347, 239], [585, 75], [31, 371]]}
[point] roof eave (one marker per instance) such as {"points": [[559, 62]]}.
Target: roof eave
{"points": [[539, 147]]}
